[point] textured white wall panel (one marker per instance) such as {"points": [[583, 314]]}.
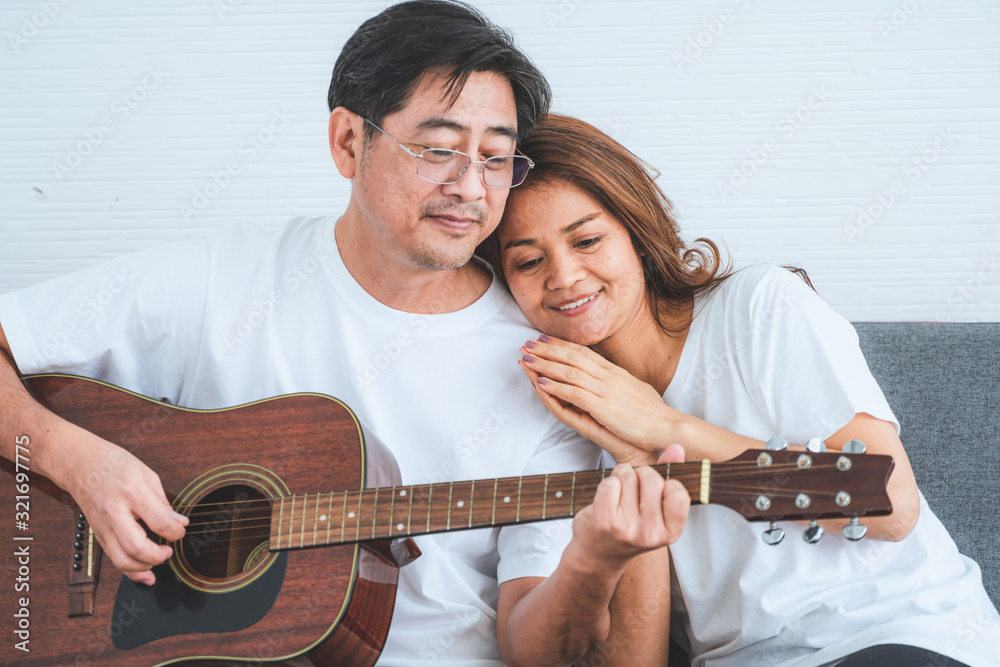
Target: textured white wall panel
{"points": [[860, 140]]}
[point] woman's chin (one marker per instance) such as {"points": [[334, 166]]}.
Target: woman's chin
{"points": [[580, 337]]}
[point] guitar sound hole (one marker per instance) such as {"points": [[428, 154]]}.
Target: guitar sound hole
{"points": [[228, 532]]}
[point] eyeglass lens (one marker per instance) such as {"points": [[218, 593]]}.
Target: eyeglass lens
{"points": [[446, 166]]}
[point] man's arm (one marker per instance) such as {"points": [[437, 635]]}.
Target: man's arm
{"points": [[556, 620], [113, 488], [640, 616]]}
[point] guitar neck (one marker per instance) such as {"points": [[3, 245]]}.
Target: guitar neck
{"points": [[760, 485], [342, 517]]}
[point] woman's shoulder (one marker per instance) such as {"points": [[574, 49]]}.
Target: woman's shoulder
{"points": [[759, 286]]}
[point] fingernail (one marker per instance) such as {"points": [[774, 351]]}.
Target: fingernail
{"points": [[544, 339], [542, 381], [530, 344], [528, 358]]}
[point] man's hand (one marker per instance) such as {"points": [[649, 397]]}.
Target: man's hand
{"points": [[634, 511], [115, 490], [557, 619]]}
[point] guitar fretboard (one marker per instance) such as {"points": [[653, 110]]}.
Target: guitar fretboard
{"points": [[341, 517]]}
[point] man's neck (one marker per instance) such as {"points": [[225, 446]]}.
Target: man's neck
{"points": [[401, 286]]}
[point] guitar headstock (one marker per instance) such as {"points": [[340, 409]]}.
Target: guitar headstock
{"points": [[778, 484]]}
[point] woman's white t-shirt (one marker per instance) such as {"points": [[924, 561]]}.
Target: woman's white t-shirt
{"points": [[764, 357]]}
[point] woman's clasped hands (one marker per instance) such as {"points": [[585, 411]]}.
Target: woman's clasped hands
{"points": [[605, 403]]}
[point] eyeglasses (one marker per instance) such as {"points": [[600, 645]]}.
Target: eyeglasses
{"points": [[445, 166]]}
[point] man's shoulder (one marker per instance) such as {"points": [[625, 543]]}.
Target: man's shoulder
{"points": [[244, 233]]}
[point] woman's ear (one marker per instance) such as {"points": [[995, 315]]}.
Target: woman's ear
{"points": [[346, 140]]}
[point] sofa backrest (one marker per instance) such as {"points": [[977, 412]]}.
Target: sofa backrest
{"points": [[943, 382]]}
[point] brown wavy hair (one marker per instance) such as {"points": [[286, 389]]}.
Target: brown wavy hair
{"points": [[572, 151]]}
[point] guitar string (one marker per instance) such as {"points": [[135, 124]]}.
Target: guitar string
{"points": [[259, 533], [719, 482], [689, 474], [264, 533]]}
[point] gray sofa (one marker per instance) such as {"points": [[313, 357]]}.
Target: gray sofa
{"points": [[943, 383]]}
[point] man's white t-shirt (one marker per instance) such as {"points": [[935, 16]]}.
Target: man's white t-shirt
{"points": [[764, 357], [246, 315]]}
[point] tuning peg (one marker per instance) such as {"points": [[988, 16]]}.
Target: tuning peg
{"points": [[813, 533], [816, 445], [777, 443], [854, 447], [773, 535], [854, 531]]}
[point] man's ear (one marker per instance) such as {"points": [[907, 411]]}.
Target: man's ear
{"points": [[346, 140]]}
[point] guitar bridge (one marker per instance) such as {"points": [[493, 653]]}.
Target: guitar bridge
{"points": [[84, 567]]}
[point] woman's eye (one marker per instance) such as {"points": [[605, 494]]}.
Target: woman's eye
{"points": [[527, 265], [586, 243]]}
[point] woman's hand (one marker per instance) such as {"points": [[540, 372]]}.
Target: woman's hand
{"points": [[605, 403]]}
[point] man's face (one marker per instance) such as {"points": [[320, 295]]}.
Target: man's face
{"points": [[423, 225]]}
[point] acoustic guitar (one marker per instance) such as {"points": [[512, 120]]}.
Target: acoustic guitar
{"points": [[297, 529]]}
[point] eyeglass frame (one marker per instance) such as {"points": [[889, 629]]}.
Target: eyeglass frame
{"points": [[465, 169]]}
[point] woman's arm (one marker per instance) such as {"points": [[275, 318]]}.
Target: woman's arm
{"points": [[629, 419]]}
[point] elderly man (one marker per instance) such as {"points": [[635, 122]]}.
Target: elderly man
{"points": [[382, 308]]}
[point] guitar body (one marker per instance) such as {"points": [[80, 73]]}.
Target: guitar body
{"points": [[276, 568], [228, 600]]}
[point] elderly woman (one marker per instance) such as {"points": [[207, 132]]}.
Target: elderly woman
{"points": [[647, 342]]}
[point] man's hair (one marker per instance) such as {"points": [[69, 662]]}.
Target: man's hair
{"points": [[382, 62]]}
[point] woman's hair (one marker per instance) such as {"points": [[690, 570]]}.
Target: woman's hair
{"points": [[568, 150], [385, 58]]}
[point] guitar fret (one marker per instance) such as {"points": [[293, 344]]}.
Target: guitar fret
{"points": [[302, 532], [291, 523], [493, 515], [545, 495], [392, 510], [281, 515], [430, 493], [557, 498], [504, 507], [472, 492], [520, 480], [316, 520], [451, 489], [329, 518], [375, 513], [357, 527], [572, 502], [343, 518], [409, 512]]}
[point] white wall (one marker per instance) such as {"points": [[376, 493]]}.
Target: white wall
{"points": [[861, 141]]}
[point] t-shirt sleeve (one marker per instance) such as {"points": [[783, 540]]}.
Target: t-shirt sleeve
{"points": [[534, 549], [126, 321], [803, 366]]}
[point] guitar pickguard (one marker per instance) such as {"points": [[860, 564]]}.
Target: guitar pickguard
{"points": [[143, 614]]}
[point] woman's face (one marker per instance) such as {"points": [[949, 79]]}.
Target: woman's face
{"points": [[570, 265]]}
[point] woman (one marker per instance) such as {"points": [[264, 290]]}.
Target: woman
{"points": [[648, 342]]}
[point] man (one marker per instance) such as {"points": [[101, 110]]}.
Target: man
{"points": [[383, 309]]}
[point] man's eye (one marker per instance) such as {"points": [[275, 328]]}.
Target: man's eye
{"points": [[438, 155], [500, 163]]}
